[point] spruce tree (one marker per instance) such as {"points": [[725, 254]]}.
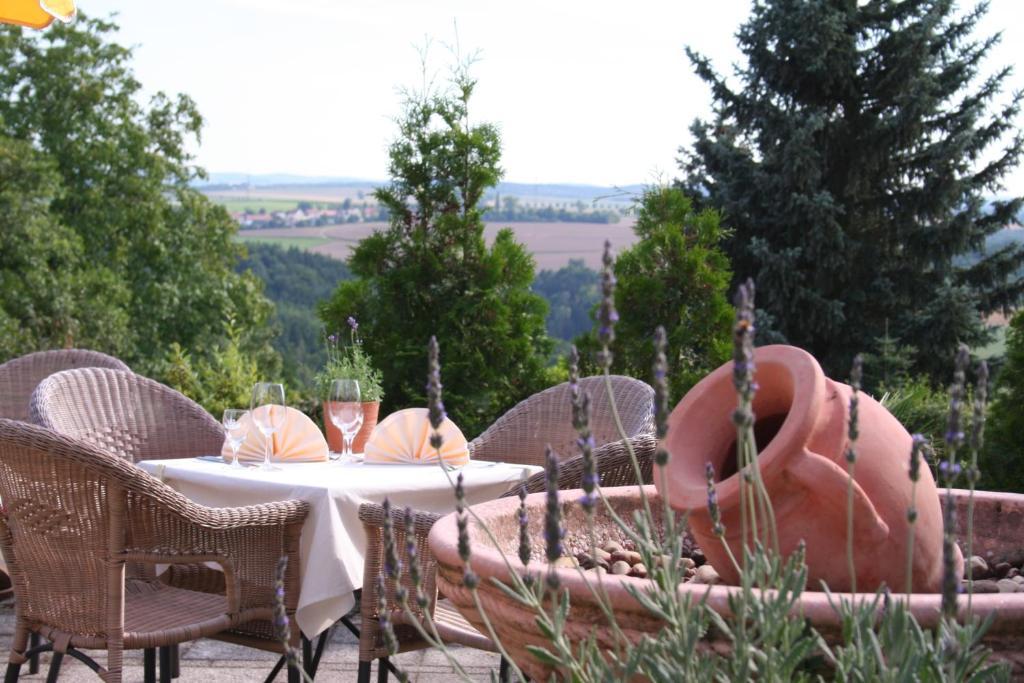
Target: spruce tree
{"points": [[853, 157], [430, 272]]}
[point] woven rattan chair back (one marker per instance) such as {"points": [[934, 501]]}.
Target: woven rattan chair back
{"points": [[126, 414], [19, 376], [521, 434]]}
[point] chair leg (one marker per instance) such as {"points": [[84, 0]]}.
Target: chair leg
{"points": [[382, 670], [149, 665], [165, 664], [55, 662], [294, 674], [364, 672], [175, 662], [13, 671], [33, 661], [503, 671]]}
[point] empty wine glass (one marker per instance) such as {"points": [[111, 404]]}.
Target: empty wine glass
{"points": [[235, 430], [268, 415], [345, 408]]}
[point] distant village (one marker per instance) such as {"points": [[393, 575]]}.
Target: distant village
{"points": [[308, 215]]}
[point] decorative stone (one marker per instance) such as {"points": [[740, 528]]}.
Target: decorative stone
{"points": [[1002, 569], [985, 586], [620, 567], [603, 554], [979, 568], [698, 557], [706, 574], [569, 562], [611, 547], [1018, 579], [621, 556], [1013, 573], [687, 563], [638, 570], [1007, 586], [633, 557]]}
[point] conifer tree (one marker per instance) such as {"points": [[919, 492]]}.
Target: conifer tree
{"points": [[430, 272], [853, 157]]}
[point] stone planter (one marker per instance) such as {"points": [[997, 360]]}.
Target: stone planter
{"points": [[801, 429], [335, 440], [999, 535]]}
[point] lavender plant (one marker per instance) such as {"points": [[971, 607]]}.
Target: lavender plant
{"points": [[880, 639]]}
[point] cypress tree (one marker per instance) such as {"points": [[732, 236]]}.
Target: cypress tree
{"points": [[853, 162]]}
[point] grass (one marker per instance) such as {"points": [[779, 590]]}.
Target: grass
{"points": [[287, 242]]}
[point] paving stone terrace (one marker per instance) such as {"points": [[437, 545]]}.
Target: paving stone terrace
{"points": [[211, 661]]}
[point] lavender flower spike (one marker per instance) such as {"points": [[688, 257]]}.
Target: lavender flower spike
{"points": [[282, 625], [716, 514], [352, 323], [661, 411], [607, 315], [524, 529], [435, 408]]}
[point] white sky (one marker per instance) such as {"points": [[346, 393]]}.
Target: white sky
{"points": [[594, 91]]}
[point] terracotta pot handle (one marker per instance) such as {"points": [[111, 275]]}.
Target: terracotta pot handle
{"points": [[828, 482]]}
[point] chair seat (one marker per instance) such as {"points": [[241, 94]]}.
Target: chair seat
{"points": [[452, 627], [156, 615]]}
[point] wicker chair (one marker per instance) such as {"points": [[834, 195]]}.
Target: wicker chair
{"points": [[126, 414], [136, 418], [521, 434], [615, 468], [76, 515], [19, 377]]}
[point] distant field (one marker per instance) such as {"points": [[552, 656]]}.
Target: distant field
{"points": [[307, 243], [552, 244], [255, 204]]}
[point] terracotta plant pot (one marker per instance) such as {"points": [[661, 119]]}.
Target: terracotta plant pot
{"points": [[999, 536], [335, 440], [801, 426]]}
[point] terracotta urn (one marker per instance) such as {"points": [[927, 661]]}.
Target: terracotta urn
{"points": [[801, 429], [998, 537], [335, 440]]}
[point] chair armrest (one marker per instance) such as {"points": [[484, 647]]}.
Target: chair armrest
{"points": [[254, 537], [614, 467], [232, 585]]}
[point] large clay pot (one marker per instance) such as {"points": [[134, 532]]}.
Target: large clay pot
{"points": [[998, 536], [335, 440], [801, 427]]}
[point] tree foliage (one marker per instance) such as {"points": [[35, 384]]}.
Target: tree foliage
{"points": [[852, 158], [431, 273], [296, 281], [152, 257], [1002, 464], [676, 275], [571, 292]]}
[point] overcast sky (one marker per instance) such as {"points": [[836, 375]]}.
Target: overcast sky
{"points": [[584, 91]]}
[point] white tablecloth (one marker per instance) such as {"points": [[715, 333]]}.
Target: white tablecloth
{"points": [[333, 542]]}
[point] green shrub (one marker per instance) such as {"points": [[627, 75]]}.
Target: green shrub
{"points": [[1002, 458]]}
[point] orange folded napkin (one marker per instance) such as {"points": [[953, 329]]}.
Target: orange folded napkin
{"points": [[298, 439], [404, 437]]}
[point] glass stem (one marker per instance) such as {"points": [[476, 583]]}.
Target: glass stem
{"points": [[266, 459], [349, 438]]}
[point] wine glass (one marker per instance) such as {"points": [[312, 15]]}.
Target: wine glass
{"points": [[268, 414], [235, 430], [345, 408]]}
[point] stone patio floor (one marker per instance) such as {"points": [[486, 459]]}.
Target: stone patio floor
{"points": [[211, 661]]}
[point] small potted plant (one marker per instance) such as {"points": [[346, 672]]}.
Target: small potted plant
{"points": [[349, 361]]}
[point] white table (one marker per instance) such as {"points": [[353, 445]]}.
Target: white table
{"points": [[333, 542]]}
